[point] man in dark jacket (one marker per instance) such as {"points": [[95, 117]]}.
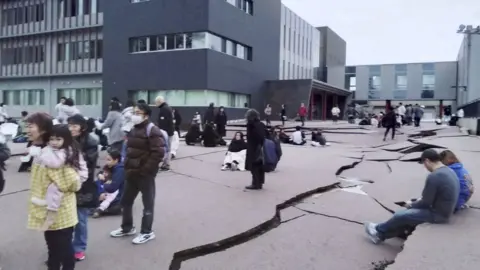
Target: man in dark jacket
{"points": [[177, 120], [390, 121], [255, 158], [221, 122], [145, 151], [165, 122], [209, 114]]}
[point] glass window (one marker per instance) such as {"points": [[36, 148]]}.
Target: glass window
{"points": [[353, 83], [171, 42], [196, 40], [138, 44], [175, 97], [224, 99], [241, 51], [372, 94], [211, 96], [401, 68], [428, 94], [231, 48], [35, 97], [428, 66], [195, 98], [215, 42], [180, 41], [401, 82], [153, 94], [399, 94], [160, 45], [241, 100], [11, 97], [375, 69], [138, 94], [375, 82], [428, 81]]}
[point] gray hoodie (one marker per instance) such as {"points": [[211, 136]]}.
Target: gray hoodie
{"points": [[114, 122]]}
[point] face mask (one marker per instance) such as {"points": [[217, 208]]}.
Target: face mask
{"points": [[137, 119]]}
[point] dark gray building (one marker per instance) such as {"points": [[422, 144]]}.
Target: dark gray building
{"points": [[333, 58], [191, 52]]}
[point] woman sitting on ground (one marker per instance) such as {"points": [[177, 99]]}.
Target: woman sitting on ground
{"points": [[318, 139], [194, 135], [110, 185], [298, 137], [210, 136], [283, 137], [236, 154], [465, 179]]}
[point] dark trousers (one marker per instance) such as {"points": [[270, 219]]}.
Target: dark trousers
{"points": [[417, 121], [60, 249], [145, 185], [302, 119], [283, 120], [267, 119], [117, 146], [388, 129], [258, 175]]}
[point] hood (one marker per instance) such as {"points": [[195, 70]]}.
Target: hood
{"points": [[127, 110], [456, 166], [252, 115], [69, 110]]}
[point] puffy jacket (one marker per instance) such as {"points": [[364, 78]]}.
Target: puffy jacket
{"points": [[118, 179], [144, 152], [466, 183]]}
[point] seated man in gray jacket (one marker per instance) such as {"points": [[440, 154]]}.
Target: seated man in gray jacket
{"points": [[438, 201]]}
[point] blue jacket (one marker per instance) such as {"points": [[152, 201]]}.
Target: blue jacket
{"points": [[118, 179], [465, 181], [270, 155]]}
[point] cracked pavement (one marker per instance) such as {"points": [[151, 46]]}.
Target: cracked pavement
{"points": [[308, 216]]}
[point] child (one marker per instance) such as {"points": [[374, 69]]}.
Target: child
{"points": [[466, 183], [110, 185], [59, 153]]}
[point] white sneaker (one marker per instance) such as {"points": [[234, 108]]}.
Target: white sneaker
{"points": [[224, 168], [143, 238], [120, 233], [370, 229]]}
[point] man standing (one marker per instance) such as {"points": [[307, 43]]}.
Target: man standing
{"points": [[268, 113], [302, 112], [335, 113], [401, 111], [145, 150], [408, 114], [439, 198], [165, 122], [417, 114]]}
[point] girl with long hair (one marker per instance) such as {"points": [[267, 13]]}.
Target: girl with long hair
{"points": [[466, 183]]}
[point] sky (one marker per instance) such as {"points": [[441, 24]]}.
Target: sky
{"points": [[393, 31]]}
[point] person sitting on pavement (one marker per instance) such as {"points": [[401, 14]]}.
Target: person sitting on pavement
{"points": [[463, 176], [272, 153], [298, 137], [318, 139], [112, 186], [439, 198], [282, 136], [194, 135], [274, 137], [210, 137], [236, 154]]}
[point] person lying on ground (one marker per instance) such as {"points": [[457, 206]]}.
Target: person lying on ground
{"points": [[194, 135], [111, 186], [210, 137], [298, 137], [236, 154], [439, 198], [318, 139], [272, 153], [463, 176]]}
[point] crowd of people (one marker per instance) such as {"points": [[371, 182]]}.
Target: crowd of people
{"points": [[66, 189]]}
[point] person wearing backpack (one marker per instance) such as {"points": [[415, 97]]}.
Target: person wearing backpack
{"points": [[145, 150]]}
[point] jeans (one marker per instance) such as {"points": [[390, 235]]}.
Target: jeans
{"points": [[145, 185], [60, 250], [168, 155], [402, 220], [258, 174], [81, 231]]}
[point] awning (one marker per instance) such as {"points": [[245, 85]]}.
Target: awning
{"points": [[319, 85]]}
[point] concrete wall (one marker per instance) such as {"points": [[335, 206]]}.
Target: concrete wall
{"points": [[190, 69], [50, 87], [445, 78], [468, 76], [333, 57], [289, 92]]}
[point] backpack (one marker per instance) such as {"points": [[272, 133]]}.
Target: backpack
{"points": [[164, 133]]}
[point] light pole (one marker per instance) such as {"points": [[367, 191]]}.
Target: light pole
{"points": [[467, 31]]}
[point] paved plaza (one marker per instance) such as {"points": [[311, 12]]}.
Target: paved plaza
{"points": [[309, 215]]}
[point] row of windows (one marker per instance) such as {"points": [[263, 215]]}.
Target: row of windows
{"points": [[401, 94], [138, 1], [201, 40], [24, 14], [73, 8], [401, 82], [23, 55], [427, 68], [296, 43], [29, 97], [293, 71], [245, 5], [91, 49], [198, 98], [82, 96]]}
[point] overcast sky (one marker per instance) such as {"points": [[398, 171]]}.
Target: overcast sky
{"points": [[393, 31]]}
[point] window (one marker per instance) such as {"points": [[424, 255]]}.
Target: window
{"points": [[245, 5], [24, 14], [91, 49], [82, 96], [138, 1], [372, 94], [375, 69], [401, 82], [375, 82], [23, 55], [428, 82], [215, 42], [195, 98], [428, 94], [399, 94], [196, 41], [352, 84], [138, 44], [73, 8], [401, 68], [28, 97]]}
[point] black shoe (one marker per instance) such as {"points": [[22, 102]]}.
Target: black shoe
{"points": [[173, 156], [165, 168], [252, 187]]}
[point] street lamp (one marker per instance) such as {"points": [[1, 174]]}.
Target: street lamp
{"points": [[467, 31]]}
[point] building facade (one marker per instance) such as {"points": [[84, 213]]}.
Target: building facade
{"points": [[429, 84], [468, 70], [192, 52], [299, 47], [49, 49], [333, 58]]}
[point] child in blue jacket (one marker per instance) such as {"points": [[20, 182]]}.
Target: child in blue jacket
{"points": [[464, 177]]}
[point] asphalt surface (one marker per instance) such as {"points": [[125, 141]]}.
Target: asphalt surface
{"points": [[197, 205]]}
